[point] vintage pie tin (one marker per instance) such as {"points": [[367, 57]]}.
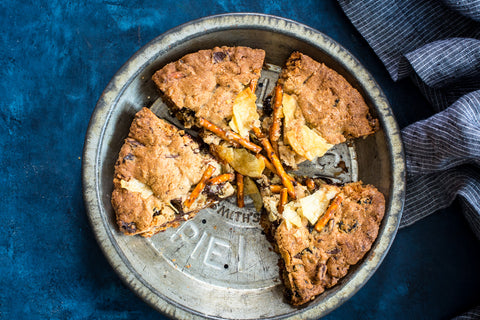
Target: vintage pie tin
{"points": [[220, 265]]}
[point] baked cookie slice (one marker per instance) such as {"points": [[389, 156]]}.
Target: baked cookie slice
{"points": [[320, 235], [217, 85], [319, 109], [159, 177], [214, 91]]}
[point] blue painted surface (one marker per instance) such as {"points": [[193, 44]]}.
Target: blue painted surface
{"points": [[56, 58]]}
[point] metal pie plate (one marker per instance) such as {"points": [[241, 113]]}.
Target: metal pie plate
{"points": [[219, 264]]}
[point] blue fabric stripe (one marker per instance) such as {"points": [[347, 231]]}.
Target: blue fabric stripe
{"points": [[445, 62], [393, 28], [437, 44]]}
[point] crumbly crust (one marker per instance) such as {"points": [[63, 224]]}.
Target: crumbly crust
{"points": [[328, 103], [156, 169], [206, 82], [313, 261]]}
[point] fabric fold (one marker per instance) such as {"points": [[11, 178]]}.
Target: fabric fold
{"points": [[437, 44], [394, 28], [447, 139], [446, 62], [428, 193], [439, 48], [468, 8]]}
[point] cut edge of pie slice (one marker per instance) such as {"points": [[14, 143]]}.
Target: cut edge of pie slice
{"points": [[320, 235], [216, 84], [320, 109], [157, 170]]}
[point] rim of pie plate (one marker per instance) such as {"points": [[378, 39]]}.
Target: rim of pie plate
{"points": [[217, 265]]}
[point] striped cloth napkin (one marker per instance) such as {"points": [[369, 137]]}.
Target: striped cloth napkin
{"points": [[437, 44]]}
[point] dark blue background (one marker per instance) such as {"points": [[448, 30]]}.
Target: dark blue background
{"points": [[56, 58]]}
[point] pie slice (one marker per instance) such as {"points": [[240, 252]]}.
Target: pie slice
{"points": [[216, 85], [320, 109], [320, 235], [157, 168]]}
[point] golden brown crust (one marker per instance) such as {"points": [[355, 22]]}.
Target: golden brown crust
{"points": [[328, 103], [314, 261], [159, 165], [207, 82], [156, 169]]}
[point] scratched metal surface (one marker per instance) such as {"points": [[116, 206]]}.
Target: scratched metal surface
{"points": [[220, 265]]}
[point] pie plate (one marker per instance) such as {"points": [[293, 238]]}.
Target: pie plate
{"points": [[219, 264]]}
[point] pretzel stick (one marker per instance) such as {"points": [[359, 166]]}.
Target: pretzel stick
{"points": [[276, 162], [200, 186], [221, 178], [329, 213], [283, 200], [268, 164], [270, 167], [240, 192], [276, 115], [275, 188], [229, 136]]}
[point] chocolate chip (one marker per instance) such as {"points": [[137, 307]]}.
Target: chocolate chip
{"points": [[310, 228], [135, 143], [129, 227], [307, 250], [353, 226], [213, 190], [177, 204], [156, 212], [367, 200], [334, 251], [218, 56], [364, 201], [336, 103], [347, 228]]}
